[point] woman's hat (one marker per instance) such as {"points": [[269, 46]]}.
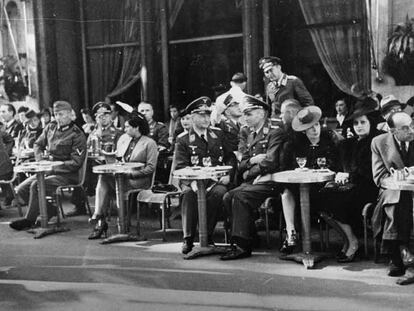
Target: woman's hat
{"points": [[362, 108], [306, 118]]}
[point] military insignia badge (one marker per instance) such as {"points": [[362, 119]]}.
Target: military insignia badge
{"points": [[192, 138], [213, 135], [265, 130]]}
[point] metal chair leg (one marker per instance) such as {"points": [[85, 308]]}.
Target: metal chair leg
{"points": [[138, 216], [164, 233], [366, 236], [85, 197], [267, 228]]}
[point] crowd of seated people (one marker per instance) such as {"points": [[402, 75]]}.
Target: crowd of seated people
{"points": [[372, 137]]}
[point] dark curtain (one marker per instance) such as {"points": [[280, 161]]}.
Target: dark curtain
{"points": [[339, 32], [112, 70]]}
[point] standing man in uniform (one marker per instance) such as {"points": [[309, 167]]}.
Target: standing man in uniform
{"points": [[282, 86], [263, 155], [159, 133], [63, 141], [230, 124], [202, 144]]}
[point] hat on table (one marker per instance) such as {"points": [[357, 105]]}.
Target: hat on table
{"points": [[306, 118]]}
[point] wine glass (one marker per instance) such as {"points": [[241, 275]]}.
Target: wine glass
{"points": [[301, 161], [207, 161], [321, 162]]}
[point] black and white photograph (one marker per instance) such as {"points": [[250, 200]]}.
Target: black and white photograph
{"points": [[209, 155]]}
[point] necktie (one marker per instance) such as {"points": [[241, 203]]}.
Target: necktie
{"points": [[404, 152]]}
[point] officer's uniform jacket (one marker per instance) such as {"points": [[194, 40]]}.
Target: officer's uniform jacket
{"points": [[67, 144], [287, 87], [216, 148], [14, 129], [231, 132], [159, 133], [270, 140], [110, 134], [29, 136]]}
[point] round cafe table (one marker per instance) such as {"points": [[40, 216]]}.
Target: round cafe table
{"points": [[40, 168], [202, 175], [119, 170], [304, 177]]}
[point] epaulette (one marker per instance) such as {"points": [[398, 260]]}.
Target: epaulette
{"points": [[160, 123], [182, 134], [291, 77], [76, 129], [274, 126], [215, 128]]}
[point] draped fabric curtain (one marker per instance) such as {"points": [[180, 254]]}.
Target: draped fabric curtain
{"points": [[112, 70], [339, 32]]}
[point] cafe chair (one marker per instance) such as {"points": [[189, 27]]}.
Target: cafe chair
{"points": [[270, 206], [61, 189], [366, 215], [11, 183], [163, 199]]}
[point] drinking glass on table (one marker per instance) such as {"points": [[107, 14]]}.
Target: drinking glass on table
{"points": [[321, 162], [301, 161]]}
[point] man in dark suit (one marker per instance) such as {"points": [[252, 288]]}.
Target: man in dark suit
{"points": [[201, 145], [262, 157], [282, 86], [393, 213], [7, 114]]}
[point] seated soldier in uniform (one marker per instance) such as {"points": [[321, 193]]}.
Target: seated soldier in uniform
{"points": [[65, 142], [263, 155], [106, 136], [134, 146], [202, 144]]}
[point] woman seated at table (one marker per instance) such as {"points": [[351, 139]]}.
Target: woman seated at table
{"points": [[134, 146], [32, 130], [312, 148], [354, 185]]}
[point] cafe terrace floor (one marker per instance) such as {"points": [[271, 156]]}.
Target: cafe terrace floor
{"points": [[67, 271]]}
